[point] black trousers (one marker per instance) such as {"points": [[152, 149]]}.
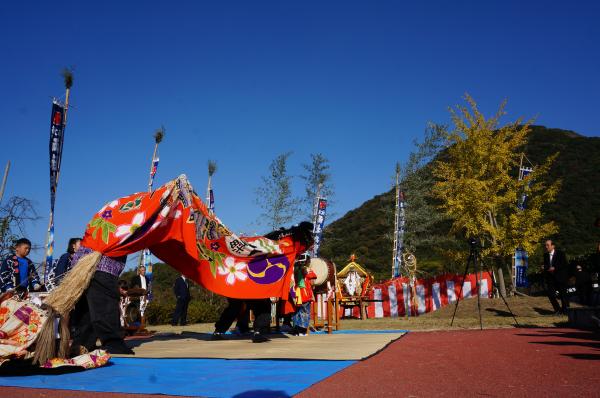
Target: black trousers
{"points": [[181, 309], [234, 310], [96, 315], [261, 308], [585, 292], [552, 285]]}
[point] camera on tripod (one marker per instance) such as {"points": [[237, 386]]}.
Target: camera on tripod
{"points": [[474, 242]]}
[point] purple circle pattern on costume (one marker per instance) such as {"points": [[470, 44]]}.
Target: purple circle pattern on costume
{"points": [[273, 271]]}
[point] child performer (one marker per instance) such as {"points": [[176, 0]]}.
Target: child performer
{"points": [[304, 277]]}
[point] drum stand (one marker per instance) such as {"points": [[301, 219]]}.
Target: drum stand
{"points": [[331, 321]]}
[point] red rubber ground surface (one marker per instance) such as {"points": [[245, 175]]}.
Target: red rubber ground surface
{"points": [[492, 363]]}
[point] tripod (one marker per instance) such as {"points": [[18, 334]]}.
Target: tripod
{"points": [[476, 261]]}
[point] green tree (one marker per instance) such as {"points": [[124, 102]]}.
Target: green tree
{"points": [[317, 180], [275, 197], [422, 214], [478, 186]]}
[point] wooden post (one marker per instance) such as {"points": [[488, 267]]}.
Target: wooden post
{"points": [[6, 169], [501, 285]]}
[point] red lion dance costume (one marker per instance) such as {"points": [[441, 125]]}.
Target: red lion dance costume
{"points": [[174, 224]]}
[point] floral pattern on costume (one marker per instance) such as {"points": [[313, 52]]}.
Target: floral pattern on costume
{"points": [[20, 322], [91, 360], [126, 230], [234, 271]]}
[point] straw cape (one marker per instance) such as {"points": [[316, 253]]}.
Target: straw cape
{"points": [[175, 225]]}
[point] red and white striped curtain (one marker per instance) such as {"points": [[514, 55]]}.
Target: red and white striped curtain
{"points": [[431, 294]]}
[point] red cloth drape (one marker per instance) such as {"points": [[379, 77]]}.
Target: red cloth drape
{"points": [[177, 227]]}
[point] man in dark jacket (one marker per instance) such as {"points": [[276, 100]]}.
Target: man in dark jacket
{"points": [[556, 276], [182, 293], [140, 280]]}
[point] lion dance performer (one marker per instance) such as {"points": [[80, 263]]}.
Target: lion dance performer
{"points": [[174, 224]]}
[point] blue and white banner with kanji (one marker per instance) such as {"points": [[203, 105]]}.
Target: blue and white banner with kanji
{"points": [[320, 222]]}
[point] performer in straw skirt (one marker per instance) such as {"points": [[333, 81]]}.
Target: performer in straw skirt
{"points": [[97, 315]]}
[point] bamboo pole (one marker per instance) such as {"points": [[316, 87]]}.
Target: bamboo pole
{"points": [[68, 78], [6, 170], [158, 137]]}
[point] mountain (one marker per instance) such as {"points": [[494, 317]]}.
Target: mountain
{"points": [[366, 230]]}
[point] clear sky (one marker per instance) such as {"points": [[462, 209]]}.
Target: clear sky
{"points": [[241, 82]]}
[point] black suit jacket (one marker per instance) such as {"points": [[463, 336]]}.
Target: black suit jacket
{"points": [[136, 281], [560, 264], [181, 289]]}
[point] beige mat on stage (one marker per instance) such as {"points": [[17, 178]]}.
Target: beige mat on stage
{"points": [[313, 346]]}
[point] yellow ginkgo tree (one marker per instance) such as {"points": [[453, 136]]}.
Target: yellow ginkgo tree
{"points": [[477, 183]]}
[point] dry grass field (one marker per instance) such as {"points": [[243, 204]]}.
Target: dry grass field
{"points": [[529, 312]]}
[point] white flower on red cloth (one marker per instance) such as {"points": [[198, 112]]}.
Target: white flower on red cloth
{"points": [[110, 205], [234, 271], [165, 211], [126, 230]]}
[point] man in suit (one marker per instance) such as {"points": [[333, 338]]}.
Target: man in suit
{"points": [[556, 276], [182, 293], [140, 280]]}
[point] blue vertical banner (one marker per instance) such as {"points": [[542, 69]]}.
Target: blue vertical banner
{"points": [[521, 256], [523, 173], [521, 263], [153, 170], [320, 222], [148, 264], [57, 131], [211, 200], [400, 224]]}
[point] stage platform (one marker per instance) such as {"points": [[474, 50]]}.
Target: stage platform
{"points": [[338, 346], [189, 364]]}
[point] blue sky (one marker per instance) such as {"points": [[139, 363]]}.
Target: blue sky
{"points": [[241, 82]]}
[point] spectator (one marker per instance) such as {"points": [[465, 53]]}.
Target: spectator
{"points": [[17, 270], [556, 276], [182, 293], [124, 301], [64, 263], [583, 284], [140, 280]]}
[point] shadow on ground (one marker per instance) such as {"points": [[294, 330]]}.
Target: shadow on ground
{"points": [[26, 368], [570, 338], [134, 342]]}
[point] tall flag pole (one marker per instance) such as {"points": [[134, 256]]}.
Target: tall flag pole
{"points": [[210, 196], [521, 258], [145, 254], [399, 224], [58, 123]]}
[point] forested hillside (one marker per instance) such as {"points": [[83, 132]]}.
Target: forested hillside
{"points": [[367, 230]]}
